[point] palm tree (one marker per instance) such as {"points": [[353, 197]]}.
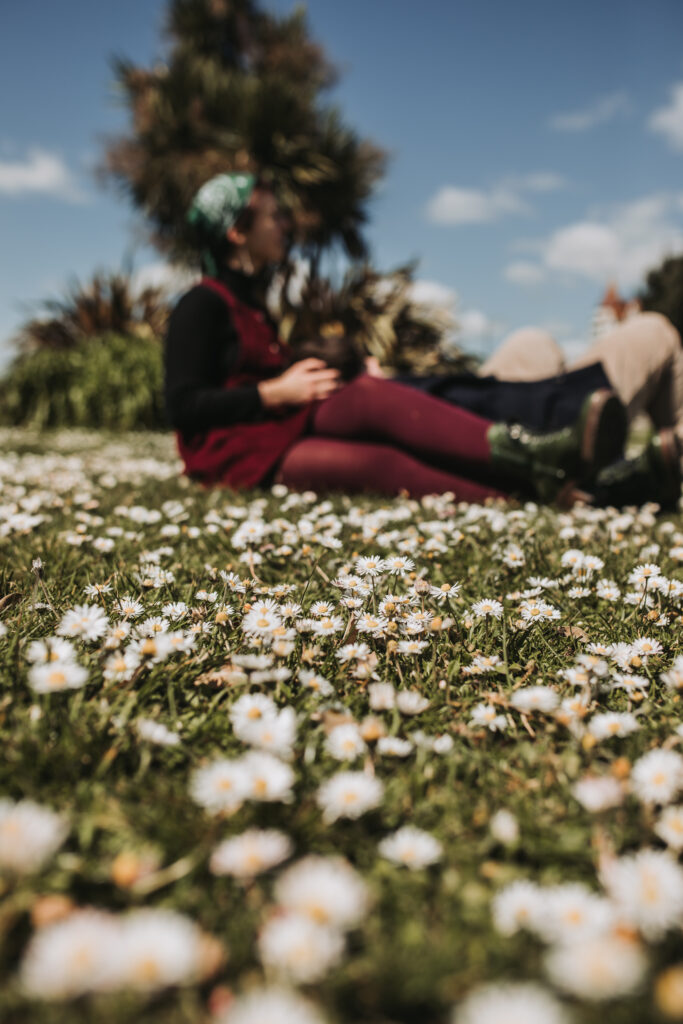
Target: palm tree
{"points": [[241, 90], [109, 302]]}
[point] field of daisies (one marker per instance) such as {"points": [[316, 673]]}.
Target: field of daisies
{"points": [[280, 758]]}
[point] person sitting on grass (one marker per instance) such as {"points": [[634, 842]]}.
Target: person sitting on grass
{"points": [[246, 415]]}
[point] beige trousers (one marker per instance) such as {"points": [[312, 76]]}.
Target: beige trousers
{"points": [[642, 358]]}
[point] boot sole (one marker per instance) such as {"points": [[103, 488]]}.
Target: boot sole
{"points": [[604, 432], [670, 468]]}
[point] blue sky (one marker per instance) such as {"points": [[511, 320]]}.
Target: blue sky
{"points": [[536, 149]]}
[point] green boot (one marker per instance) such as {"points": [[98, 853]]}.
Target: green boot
{"points": [[552, 462], [653, 475]]}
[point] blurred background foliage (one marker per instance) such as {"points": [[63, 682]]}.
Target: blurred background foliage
{"points": [[111, 381], [663, 291]]}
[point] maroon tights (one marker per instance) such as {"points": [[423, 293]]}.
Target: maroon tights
{"points": [[380, 436]]}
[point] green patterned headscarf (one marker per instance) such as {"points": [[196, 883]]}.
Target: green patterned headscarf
{"points": [[215, 208]]}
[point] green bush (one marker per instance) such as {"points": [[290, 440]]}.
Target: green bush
{"points": [[113, 381]]}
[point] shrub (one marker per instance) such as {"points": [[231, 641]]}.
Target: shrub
{"points": [[107, 303], [113, 382]]}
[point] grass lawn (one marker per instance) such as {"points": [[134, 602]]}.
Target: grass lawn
{"points": [[279, 758]]}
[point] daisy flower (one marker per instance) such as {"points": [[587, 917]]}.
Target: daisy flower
{"points": [[221, 786], [643, 574], [510, 1003], [261, 621], [322, 608], [482, 664], [537, 611], [297, 948], [612, 723], [607, 590], [647, 888], [382, 696], [30, 835], [326, 889], [249, 854], [156, 732], [673, 679], [71, 957], [268, 778], [504, 827], [174, 610], [598, 968], [328, 625], [348, 795], [534, 698], [57, 675], [486, 715], [250, 708], [399, 564], [353, 652], [574, 913], [394, 746], [369, 565], [487, 608], [513, 556], [97, 589], [117, 634], [152, 626], [598, 793], [272, 1004], [411, 847], [129, 607], [445, 591], [53, 648], [158, 948], [669, 827], [657, 776], [646, 647], [120, 666], [518, 905], [410, 702], [153, 649], [84, 620], [311, 680], [345, 743], [411, 646]]}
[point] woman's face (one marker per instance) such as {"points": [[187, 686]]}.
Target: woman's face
{"points": [[266, 239]]}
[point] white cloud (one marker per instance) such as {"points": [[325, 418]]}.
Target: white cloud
{"points": [[475, 324], [523, 273], [172, 280], [558, 328], [40, 173], [544, 181], [471, 325], [621, 243], [573, 348], [668, 121], [431, 293], [603, 109], [585, 248], [453, 205]]}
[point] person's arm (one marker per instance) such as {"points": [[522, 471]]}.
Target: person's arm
{"points": [[200, 348]]}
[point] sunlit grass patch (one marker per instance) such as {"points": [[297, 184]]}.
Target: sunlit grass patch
{"points": [[331, 759]]}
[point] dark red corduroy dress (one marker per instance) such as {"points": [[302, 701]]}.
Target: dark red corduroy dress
{"points": [[241, 455]]}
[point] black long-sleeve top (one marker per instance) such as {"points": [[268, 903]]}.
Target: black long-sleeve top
{"points": [[200, 351]]}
